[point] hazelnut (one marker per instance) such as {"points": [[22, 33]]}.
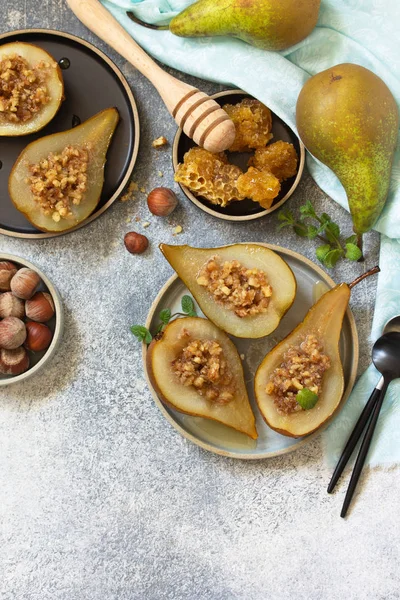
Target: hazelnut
{"points": [[11, 306], [38, 336], [14, 362], [135, 243], [7, 272], [162, 201], [40, 307], [24, 283], [12, 333]]}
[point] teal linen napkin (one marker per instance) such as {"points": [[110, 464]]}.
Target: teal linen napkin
{"points": [[359, 31]]}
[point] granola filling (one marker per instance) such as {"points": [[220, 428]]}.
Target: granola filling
{"points": [[302, 367], [59, 181], [202, 364], [244, 291], [23, 90]]}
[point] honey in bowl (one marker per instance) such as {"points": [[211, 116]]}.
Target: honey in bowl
{"points": [[253, 185]]}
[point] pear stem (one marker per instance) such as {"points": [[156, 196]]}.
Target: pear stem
{"points": [[143, 24], [360, 245], [372, 271]]}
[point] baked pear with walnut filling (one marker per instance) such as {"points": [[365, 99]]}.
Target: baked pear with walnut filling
{"points": [[31, 88], [308, 362], [57, 180], [299, 384], [245, 289], [195, 368]]}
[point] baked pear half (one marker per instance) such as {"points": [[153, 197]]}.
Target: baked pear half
{"points": [[31, 88], [300, 383], [57, 180], [195, 368], [245, 289]]}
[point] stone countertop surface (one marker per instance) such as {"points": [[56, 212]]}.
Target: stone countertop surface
{"points": [[100, 498]]}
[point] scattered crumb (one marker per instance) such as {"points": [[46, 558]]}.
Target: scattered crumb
{"points": [[160, 174], [242, 356], [145, 224], [115, 245], [143, 190], [177, 230], [128, 220], [132, 187], [137, 219], [160, 142]]}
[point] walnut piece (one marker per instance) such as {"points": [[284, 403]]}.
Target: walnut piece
{"points": [[235, 287], [202, 364], [159, 142], [59, 181], [303, 366], [23, 90]]}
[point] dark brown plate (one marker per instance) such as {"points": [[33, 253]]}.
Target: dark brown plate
{"points": [[92, 83], [245, 210]]}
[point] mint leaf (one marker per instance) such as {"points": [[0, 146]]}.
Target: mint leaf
{"points": [[286, 215], [306, 398], [353, 252], [332, 257], [188, 305], [322, 227], [322, 251], [165, 316], [193, 313], [141, 333], [312, 232], [325, 218], [332, 231], [351, 240], [301, 230], [307, 210], [284, 224]]}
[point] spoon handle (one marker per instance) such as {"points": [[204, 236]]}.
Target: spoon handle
{"points": [[362, 455], [355, 435]]}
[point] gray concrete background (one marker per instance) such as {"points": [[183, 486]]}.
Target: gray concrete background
{"points": [[100, 499]]}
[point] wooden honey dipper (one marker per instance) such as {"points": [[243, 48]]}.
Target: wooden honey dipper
{"points": [[200, 117]]}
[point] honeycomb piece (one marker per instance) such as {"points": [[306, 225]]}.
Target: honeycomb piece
{"points": [[210, 176], [253, 123], [279, 158], [259, 186]]}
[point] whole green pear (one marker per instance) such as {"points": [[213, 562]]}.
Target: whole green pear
{"points": [[348, 119], [268, 24]]}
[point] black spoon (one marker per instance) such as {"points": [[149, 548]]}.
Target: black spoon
{"points": [[392, 325], [386, 358]]}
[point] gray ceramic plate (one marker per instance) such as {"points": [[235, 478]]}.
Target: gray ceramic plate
{"points": [[312, 282], [38, 359]]}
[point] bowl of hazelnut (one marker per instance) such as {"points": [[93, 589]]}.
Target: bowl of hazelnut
{"points": [[255, 176], [31, 319]]}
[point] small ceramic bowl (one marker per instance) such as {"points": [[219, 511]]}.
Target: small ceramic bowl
{"points": [[245, 210], [38, 360]]}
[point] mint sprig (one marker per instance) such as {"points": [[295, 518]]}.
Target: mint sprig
{"points": [[142, 334], [312, 226]]}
